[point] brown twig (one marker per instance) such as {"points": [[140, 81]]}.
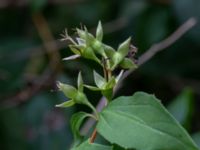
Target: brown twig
{"points": [[46, 36], [38, 84], [48, 76], [168, 41], [154, 49], [94, 134]]}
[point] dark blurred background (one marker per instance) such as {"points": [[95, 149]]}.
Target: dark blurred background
{"points": [[31, 62]]}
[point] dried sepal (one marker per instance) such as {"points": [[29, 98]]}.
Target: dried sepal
{"points": [[72, 57]]}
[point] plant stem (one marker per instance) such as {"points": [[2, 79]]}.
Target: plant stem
{"points": [[94, 134], [94, 110], [105, 73], [109, 72]]}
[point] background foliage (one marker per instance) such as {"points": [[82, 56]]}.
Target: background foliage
{"points": [[30, 63]]}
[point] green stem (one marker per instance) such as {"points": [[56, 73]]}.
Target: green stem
{"points": [[94, 110]]}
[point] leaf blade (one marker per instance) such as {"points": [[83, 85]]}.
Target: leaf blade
{"points": [[141, 122]]}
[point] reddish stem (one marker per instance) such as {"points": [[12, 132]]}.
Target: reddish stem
{"points": [[94, 134]]}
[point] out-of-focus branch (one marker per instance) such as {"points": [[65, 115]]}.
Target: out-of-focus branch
{"points": [[43, 82], [153, 50], [48, 76], [46, 36], [168, 41]]}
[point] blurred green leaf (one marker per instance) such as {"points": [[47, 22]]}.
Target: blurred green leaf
{"points": [[12, 130], [191, 9], [45, 126], [14, 58], [182, 106], [37, 5], [196, 138]]}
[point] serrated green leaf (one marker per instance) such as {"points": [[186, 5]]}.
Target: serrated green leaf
{"points": [[80, 82], [99, 32], [76, 122], [124, 47], [128, 64], [92, 88], [92, 146], [68, 90], [141, 122], [99, 80], [68, 103]]}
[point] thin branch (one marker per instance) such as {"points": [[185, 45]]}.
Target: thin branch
{"points": [[168, 41], [48, 76], [46, 36], [94, 134], [153, 50]]}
